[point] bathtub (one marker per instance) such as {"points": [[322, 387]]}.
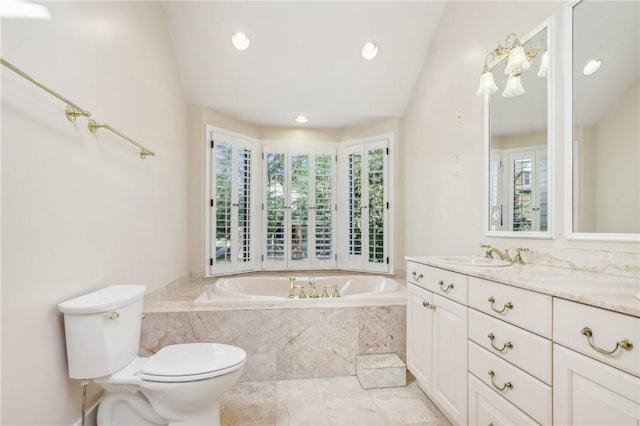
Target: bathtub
{"points": [[273, 291]]}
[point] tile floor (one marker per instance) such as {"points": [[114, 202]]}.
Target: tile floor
{"points": [[334, 401]]}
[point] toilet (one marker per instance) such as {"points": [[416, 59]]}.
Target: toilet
{"points": [[179, 385]]}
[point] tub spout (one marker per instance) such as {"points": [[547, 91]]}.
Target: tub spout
{"points": [[292, 281]]}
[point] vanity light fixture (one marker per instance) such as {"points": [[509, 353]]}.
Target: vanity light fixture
{"points": [[544, 64], [592, 66], [301, 119], [369, 50], [487, 84], [518, 62], [240, 40], [514, 86]]}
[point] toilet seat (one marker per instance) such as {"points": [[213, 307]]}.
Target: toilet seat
{"points": [[192, 361]]}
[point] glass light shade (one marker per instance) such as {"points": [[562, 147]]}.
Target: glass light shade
{"points": [[514, 87], [518, 61], [240, 40], [544, 64], [487, 85]]}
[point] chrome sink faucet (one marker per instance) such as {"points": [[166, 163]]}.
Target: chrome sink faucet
{"points": [[491, 250]]}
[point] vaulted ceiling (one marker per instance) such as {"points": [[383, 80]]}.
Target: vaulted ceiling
{"points": [[304, 57]]}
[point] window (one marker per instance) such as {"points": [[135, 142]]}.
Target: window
{"points": [[231, 203], [288, 212], [299, 207], [528, 187], [367, 206]]}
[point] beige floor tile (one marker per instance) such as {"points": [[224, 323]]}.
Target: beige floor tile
{"points": [[248, 414], [302, 413], [252, 393], [298, 389], [360, 411], [341, 387], [402, 406]]}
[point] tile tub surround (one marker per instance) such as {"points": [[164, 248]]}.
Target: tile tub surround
{"points": [[283, 343]]}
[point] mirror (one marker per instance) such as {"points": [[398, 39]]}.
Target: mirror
{"points": [[605, 160], [517, 148]]}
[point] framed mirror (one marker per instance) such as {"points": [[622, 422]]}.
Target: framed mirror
{"points": [[518, 145], [603, 158]]}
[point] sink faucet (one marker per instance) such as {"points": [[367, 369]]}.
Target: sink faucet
{"points": [[490, 250], [314, 290]]}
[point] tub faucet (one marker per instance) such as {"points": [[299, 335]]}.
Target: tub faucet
{"points": [[314, 290], [292, 281], [490, 250]]}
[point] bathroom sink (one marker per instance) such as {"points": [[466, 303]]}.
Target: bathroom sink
{"points": [[474, 261]]}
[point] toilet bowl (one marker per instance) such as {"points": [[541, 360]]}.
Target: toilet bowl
{"points": [[179, 385]]}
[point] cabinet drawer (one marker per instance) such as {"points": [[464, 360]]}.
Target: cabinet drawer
{"points": [[526, 350], [524, 308], [526, 392], [488, 408], [608, 332], [416, 273], [447, 284]]}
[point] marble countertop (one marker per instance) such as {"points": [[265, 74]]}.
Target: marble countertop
{"points": [[616, 293]]}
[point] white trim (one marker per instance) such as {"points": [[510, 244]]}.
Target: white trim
{"points": [[568, 151]]}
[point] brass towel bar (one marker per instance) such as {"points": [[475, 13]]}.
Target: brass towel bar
{"points": [[72, 110]]}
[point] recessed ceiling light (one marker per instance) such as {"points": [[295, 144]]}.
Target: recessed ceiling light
{"points": [[240, 40], [592, 66], [369, 50], [301, 119]]}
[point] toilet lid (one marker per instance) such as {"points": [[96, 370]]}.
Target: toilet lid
{"points": [[192, 361]]}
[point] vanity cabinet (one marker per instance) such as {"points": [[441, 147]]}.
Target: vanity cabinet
{"points": [[437, 336], [510, 350], [595, 372], [522, 357]]}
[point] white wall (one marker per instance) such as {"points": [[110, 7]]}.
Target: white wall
{"points": [[443, 155], [82, 211]]}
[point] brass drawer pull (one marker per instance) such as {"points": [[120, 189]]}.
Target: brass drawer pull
{"points": [[417, 277], [506, 346], [507, 385], [446, 290], [624, 344], [425, 304], [508, 305]]}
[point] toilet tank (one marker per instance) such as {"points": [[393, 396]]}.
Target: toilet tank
{"points": [[102, 330]]}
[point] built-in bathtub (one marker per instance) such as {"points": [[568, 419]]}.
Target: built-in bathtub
{"points": [[331, 291], [286, 338]]}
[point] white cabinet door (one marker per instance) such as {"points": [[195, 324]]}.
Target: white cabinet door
{"points": [[419, 335], [450, 357], [587, 392], [487, 407]]}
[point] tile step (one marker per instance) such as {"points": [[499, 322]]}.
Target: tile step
{"points": [[380, 371]]}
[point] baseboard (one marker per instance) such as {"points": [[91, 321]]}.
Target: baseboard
{"points": [[90, 418]]}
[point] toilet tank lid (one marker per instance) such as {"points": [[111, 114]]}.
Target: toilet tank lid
{"points": [[103, 300]]}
